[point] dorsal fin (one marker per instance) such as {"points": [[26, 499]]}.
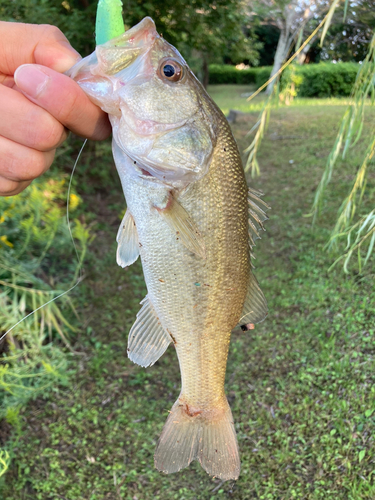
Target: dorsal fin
{"points": [[257, 215], [255, 307], [147, 339], [128, 243]]}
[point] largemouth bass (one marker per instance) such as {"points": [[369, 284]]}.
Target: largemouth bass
{"points": [[187, 217]]}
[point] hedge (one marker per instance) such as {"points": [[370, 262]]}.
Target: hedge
{"points": [[263, 74], [316, 80], [326, 79], [224, 73]]}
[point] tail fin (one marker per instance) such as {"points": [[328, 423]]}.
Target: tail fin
{"points": [[208, 436]]}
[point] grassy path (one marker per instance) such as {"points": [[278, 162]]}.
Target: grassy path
{"points": [[301, 384]]}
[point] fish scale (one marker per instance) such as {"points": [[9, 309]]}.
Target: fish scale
{"points": [[187, 218], [199, 304]]}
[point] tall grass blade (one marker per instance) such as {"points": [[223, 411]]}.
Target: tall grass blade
{"points": [[328, 20]]}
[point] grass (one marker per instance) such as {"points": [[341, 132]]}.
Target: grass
{"points": [[300, 385], [235, 97]]}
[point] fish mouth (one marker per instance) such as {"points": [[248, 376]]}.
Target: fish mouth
{"points": [[118, 53], [99, 74]]}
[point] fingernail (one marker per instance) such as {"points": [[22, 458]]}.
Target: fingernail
{"points": [[31, 80]]}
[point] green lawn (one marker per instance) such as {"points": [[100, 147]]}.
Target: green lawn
{"points": [[236, 97], [301, 385]]}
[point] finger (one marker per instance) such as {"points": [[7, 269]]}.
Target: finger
{"points": [[41, 44], [20, 163], [63, 99], [10, 188], [7, 81], [28, 124]]}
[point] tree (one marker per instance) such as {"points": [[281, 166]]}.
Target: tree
{"points": [[209, 30], [75, 18], [354, 225], [268, 35], [201, 29], [350, 34], [290, 17]]}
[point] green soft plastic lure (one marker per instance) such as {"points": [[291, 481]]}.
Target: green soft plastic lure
{"points": [[109, 23]]}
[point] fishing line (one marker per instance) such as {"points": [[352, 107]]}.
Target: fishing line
{"points": [[79, 279]]}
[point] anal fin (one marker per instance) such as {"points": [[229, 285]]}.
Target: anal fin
{"points": [[128, 243], [255, 307], [147, 339]]}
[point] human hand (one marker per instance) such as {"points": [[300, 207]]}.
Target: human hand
{"points": [[38, 103]]}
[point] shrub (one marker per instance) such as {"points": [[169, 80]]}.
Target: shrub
{"points": [[326, 79], [35, 255], [225, 73], [262, 75], [312, 80]]}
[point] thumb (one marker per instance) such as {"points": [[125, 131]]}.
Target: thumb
{"points": [[63, 99]]}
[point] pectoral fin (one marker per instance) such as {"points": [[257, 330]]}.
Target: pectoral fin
{"points": [[183, 226], [255, 307], [128, 243], [147, 340]]}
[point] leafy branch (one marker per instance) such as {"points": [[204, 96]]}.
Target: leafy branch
{"points": [[349, 134], [262, 122]]}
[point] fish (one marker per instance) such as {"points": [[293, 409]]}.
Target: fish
{"points": [[193, 221]]}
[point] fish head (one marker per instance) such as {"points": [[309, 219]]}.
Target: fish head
{"points": [[157, 107]]}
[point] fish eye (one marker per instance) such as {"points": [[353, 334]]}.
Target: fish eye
{"points": [[171, 70]]}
